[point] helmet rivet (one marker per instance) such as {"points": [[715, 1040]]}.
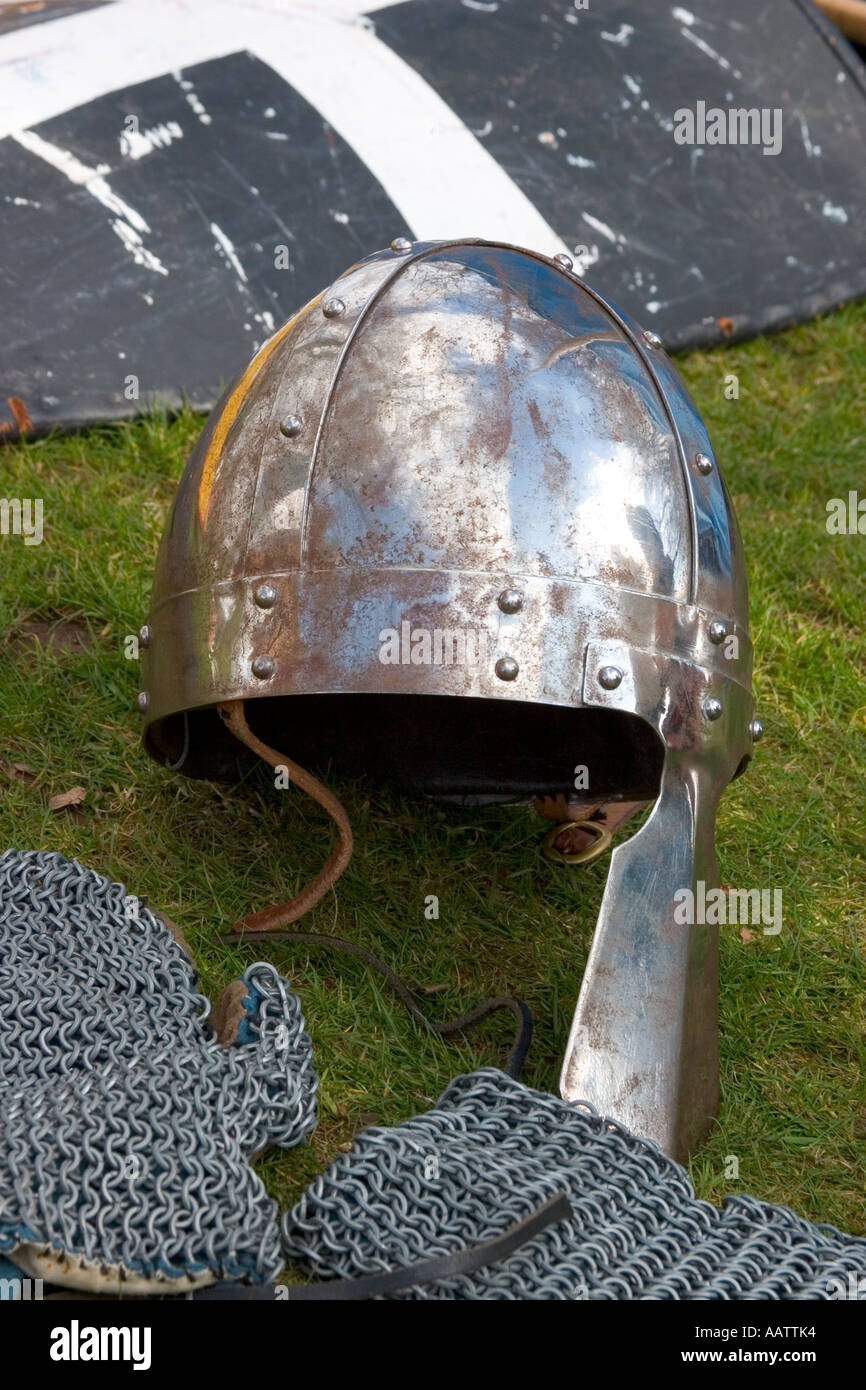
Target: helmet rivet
{"points": [[651, 339], [145, 636], [713, 708], [609, 677], [703, 463], [565, 261], [507, 668], [510, 600], [400, 245], [264, 667], [291, 426], [717, 631], [265, 596], [333, 308], [756, 729], [142, 700]]}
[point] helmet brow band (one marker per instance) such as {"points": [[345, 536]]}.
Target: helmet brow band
{"points": [[232, 715]]}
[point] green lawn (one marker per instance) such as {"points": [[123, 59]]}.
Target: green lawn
{"points": [[793, 1052]]}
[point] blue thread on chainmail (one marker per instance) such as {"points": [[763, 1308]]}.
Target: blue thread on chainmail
{"points": [[125, 1126], [492, 1151]]}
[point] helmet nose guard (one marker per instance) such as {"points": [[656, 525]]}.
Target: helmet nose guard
{"points": [[459, 525]]}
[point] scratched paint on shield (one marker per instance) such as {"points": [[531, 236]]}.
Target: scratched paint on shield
{"points": [[152, 259]]}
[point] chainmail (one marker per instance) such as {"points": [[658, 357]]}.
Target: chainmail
{"points": [[493, 1150], [125, 1126]]}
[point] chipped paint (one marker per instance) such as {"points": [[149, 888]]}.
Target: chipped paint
{"points": [[228, 251], [135, 144], [136, 247], [192, 99], [127, 224], [621, 37], [812, 150], [834, 211], [602, 227], [709, 52]]}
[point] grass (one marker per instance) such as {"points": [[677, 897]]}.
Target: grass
{"points": [[793, 1051]]}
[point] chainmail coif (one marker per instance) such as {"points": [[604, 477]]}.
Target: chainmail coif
{"points": [[492, 1151], [125, 1126]]}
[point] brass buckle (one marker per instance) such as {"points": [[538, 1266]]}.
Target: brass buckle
{"points": [[584, 856]]}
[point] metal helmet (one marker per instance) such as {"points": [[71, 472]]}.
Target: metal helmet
{"points": [[458, 526]]}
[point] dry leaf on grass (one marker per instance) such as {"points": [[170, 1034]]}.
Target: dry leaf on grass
{"points": [[746, 935], [20, 772], [73, 797]]}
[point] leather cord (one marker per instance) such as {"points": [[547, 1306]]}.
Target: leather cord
{"points": [[523, 1035], [271, 918], [556, 1209]]}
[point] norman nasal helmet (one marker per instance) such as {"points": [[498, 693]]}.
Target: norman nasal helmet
{"points": [[458, 526]]}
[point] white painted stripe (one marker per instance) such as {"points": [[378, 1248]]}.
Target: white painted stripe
{"points": [[435, 171], [228, 250]]}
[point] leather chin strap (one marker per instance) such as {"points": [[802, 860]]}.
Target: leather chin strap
{"points": [[566, 843], [550, 1213], [271, 919], [281, 914]]}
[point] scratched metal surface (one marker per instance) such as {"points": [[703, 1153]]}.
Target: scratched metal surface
{"points": [[156, 258]]}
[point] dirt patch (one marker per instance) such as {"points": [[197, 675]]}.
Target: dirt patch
{"points": [[60, 635]]}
